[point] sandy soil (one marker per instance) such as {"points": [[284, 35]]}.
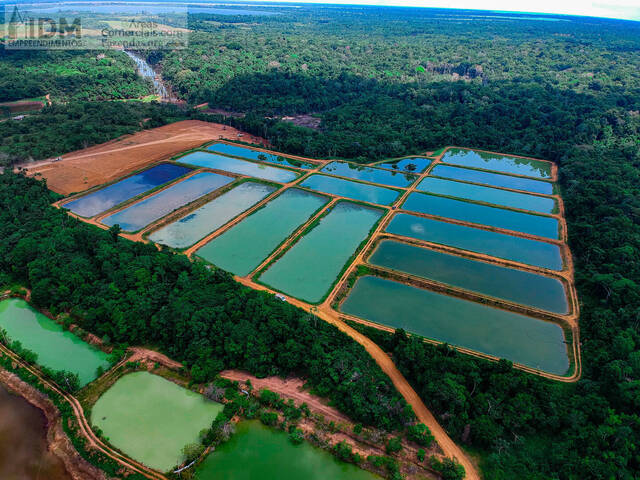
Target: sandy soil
{"points": [[87, 168], [59, 443]]}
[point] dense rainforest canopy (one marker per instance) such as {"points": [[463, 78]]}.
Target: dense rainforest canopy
{"points": [[383, 82]]}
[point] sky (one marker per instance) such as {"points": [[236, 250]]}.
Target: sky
{"points": [[625, 9]]}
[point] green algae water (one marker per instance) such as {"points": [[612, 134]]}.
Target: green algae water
{"points": [[484, 194], [56, 348], [243, 247], [199, 223], [529, 341], [309, 268], [524, 250], [151, 419], [496, 281], [498, 163], [258, 452]]}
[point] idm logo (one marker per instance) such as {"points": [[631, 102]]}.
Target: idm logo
{"points": [[26, 30]]}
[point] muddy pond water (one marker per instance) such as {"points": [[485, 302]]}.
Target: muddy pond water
{"points": [[57, 349], [349, 189], [245, 152], [199, 223], [151, 419], [496, 281], [241, 167], [24, 453], [509, 247], [244, 246], [498, 163], [504, 334], [309, 268], [369, 174]]}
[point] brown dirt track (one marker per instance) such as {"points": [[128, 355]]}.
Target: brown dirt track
{"points": [[87, 168]]}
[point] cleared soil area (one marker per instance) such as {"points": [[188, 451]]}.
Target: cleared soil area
{"points": [[87, 168]]}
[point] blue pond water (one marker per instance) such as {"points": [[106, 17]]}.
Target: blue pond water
{"points": [[409, 165], [245, 152], [368, 174], [349, 189], [493, 179], [241, 167], [108, 197]]}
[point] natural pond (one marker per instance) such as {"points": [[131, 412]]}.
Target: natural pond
{"points": [[494, 196], [309, 268], [258, 452], [526, 340], [493, 179], [153, 208], [498, 163], [57, 349], [369, 174], [349, 189], [199, 223], [524, 250], [240, 167], [408, 165], [108, 197], [244, 246], [151, 419], [496, 281], [24, 453], [245, 152], [482, 214]]}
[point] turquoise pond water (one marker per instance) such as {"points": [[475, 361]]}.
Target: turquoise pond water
{"points": [[498, 163], [496, 281], [523, 250], [243, 247], [240, 167], [526, 340], [246, 152], [153, 208], [208, 218], [369, 174], [490, 195], [409, 165], [349, 189], [483, 215], [108, 197], [309, 268], [493, 179]]}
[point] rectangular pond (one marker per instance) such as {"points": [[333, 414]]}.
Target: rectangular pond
{"points": [[108, 197], [493, 179], [496, 281], [57, 349], [151, 419], [498, 163], [495, 196], [198, 224], [246, 152], [243, 247], [523, 250], [408, 165], [525, 340], [240, 167], [258, 452], [483, 215], [369, 174], [310, 267], [141, 214], [349, 189]]}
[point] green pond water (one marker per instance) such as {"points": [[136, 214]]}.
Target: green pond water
{"points": [[243, 247], [493, 280], [493, 179], [369, 174], [57, 348], [349, 189], [518, 338], [258, 452], [499, 163], [150, 418], [482, 214], [488, 195], [524, 250], [309, 268], [199, 223]]}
